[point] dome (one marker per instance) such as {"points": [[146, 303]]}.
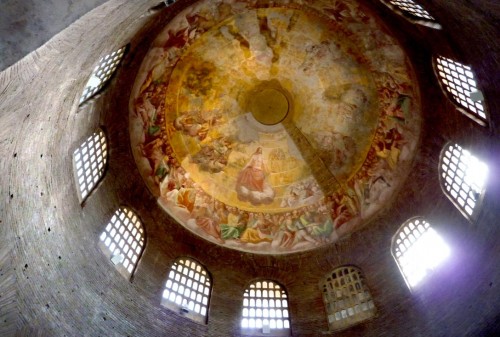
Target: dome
{"points": [[273, 157], [274, 128]]}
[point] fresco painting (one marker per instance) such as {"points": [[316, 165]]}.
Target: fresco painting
{"points": [[243, 115]]}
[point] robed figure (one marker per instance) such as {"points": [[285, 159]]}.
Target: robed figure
{"points": [[251, 184]]}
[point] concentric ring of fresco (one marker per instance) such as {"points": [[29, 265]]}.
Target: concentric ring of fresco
{"points": [[344, 121]]}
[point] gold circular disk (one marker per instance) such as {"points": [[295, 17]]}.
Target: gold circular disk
{"points": [[269, 106]]}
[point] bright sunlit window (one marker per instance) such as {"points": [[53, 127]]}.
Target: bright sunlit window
{"points": [[418, 250], [89, 163], [460, 85], [102, 73], [413, 12], [346, 297], [187, 289], [265, 308], [123, 240], [463, 178]]}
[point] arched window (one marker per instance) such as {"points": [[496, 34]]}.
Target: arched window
{"points": [[89, 163], [462, 178], [187, 289], [265, 309], [346, 297], [459, 84], [413, 12], [418, 249], [102, 73], [123, 240]]}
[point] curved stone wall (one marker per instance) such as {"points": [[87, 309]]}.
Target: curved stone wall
{"points": [[55, 281], [34, 23]]}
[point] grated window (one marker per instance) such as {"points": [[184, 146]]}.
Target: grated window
{"points": [[102, 73], [265, 306], [188, 288], [412, 8], [89, 163], [463, 178], [346, 297], [459, 83], [418, 249], [413, 12], [123, 239]]}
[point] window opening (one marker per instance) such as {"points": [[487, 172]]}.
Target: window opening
{"points": [[418, 249], [346, 297], [459, 83], [89, 163], [158, 7], [102, 73], [123, 240], [187, 289], [265, 309], [463, 178], [413, 12]]}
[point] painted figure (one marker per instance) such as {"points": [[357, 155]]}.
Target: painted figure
{"points": [[199, 151], [258, 230], [251, 184]]}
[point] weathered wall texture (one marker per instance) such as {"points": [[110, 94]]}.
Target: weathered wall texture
{"points": [[54, 281], [26, 25]]}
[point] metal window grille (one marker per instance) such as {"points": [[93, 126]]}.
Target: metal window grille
{"points": [[417, 249], [462, 177], [460, 84], [412, 8], [102, 73], [265, 305], [89, 162], [124, 238], [188, 287], [346, 297]]}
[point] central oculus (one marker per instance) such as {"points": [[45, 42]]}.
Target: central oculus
{"points": [[269, 106]]}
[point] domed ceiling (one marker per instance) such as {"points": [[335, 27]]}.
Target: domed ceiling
{"points": [[274, 127]]}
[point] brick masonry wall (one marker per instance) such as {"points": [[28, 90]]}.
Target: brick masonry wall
{"points": [[54, 280]]}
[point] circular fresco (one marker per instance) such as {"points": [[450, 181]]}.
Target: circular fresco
{"points": [[274, 127]]}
